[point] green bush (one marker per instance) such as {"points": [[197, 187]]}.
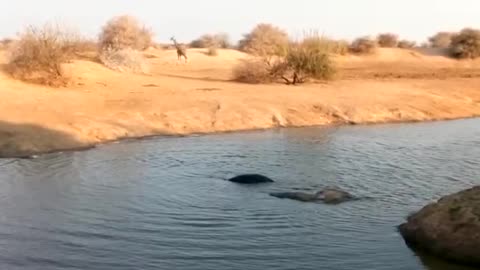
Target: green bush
{"points": [[466, 44]]}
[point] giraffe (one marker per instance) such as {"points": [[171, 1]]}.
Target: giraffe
{"points": [[181, 50]]}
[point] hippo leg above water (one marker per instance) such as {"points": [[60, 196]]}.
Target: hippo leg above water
{"points": [[250, 179]]}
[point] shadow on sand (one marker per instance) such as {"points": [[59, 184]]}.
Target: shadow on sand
{"points": [[25, 140]]}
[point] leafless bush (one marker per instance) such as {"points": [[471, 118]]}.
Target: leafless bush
{"points": [[264, 40], [212, 51], [298, 65], [441, 40], [387, 40], [124, 60], [125, 32], [315, 42], [466, 44], [39, 53], [406, 44], [363, 45], [253, 71], [303, 63], [220, 40]]}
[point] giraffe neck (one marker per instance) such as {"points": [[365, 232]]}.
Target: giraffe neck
{"points": [[175, 43]]}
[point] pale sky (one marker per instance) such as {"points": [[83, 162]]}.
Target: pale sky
{"points": [[188, 19]]}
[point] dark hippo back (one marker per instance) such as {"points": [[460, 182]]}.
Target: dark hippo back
{"points": [[250, 179]]}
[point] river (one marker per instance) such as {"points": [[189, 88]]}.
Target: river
{"points": [[163, 203]]}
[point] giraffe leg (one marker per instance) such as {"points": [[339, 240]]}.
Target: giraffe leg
{"points": [[179, 58]]}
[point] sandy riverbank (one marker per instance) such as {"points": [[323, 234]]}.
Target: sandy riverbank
{"points": [[392, 86]]}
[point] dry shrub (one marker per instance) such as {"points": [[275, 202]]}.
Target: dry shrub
{"points": [[363, 45], [124, 60], [406, 44], [253, 71], [303, 63], [340, 47], [85, 45], [264, 40], [299, 64], [220, 40], [223, 40], [204, 41], [39, 53], [325, 44], [441, 40], [125, 32], [6, 43], [466, 44], [387, 40], [212, 51]]}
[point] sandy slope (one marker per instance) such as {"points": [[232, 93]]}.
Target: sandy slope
{"points": [[393, 85]]}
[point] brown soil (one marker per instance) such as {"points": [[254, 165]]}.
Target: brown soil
{"points": [[101, 105]]}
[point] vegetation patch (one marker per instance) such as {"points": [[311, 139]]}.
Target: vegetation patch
{"points": [[363, 45], [406, 44], [441, 40], [387, 40], [125, 32], [264, 40], [466, 44], [39, 54], [220, 40], [124, 60]]}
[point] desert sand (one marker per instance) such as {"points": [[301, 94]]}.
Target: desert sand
{"points": [[102, 105]]}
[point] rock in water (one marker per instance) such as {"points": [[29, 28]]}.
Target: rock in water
{"points": [[250, 179], [448, 229]]}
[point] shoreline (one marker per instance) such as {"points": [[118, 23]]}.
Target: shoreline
{"points": [[103, 106], [33, 155]]}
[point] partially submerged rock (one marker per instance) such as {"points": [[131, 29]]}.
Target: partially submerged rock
{"points": [[328, 195], [449, 228], [250, 179]]}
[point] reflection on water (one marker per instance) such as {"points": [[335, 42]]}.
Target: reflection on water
{"points": [[164, 204]]}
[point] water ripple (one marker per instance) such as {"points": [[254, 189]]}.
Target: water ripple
{"points": [[164, 203]]}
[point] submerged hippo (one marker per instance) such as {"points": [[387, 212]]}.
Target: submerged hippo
{"points": [[250, 179], [328, 195]]}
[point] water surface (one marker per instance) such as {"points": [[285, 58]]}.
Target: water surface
{"points": [[163, 203]]}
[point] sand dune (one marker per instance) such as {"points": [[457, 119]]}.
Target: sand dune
{"points": [[199, 97]]}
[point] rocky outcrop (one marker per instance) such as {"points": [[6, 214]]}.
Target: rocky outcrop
{"points": [[449, 228]]}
